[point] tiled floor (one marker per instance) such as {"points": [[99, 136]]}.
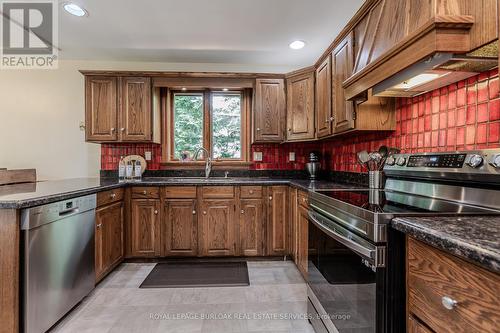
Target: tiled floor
{"points": [[275, 301]]}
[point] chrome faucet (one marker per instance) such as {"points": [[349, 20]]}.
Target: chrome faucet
{"points": [[208, 163]]}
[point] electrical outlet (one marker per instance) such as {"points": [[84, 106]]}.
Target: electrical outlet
{"points": [[257, 156], [291, 156], [147, 155]]}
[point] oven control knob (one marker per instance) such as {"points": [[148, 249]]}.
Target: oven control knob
{"points": [[390, 160], [495, 161], [401, 161], [475, 161]]}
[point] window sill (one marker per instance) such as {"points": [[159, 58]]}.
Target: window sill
{"points": [[216, 165]]}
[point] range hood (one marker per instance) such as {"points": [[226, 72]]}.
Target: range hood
{"points": [[438, 70]]}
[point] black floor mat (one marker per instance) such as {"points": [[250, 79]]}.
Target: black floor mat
{"points": [[197, 274]]}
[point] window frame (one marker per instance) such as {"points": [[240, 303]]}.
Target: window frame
{"points": [[168, 159]]}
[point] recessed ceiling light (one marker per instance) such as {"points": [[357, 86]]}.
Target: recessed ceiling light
{"points": [[74, 9], [184, 89], [297, 45]]}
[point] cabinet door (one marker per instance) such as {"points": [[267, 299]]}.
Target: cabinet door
{"points": [[303, 240], [300, 107], [145, 236], [277, 228], [324, 99], [294, 230], [101, 108], [414, 326], [217, 228], [343, 110], [180, 227], [108, 238], [251, 227], [136, 110], [269, 112]]}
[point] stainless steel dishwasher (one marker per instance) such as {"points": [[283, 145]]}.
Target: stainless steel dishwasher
{"points": [[57, 271]]}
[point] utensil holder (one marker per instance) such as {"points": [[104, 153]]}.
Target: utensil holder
{"points": [[376, 179]]}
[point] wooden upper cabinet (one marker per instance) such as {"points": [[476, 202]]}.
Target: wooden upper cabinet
{"points": [[145, 228], [343, 110], [251, 227], [135, 113], [269, 110], [300, 107], [180, 224], [101, 110], [277, 220], [217, 227], [324, 115]]}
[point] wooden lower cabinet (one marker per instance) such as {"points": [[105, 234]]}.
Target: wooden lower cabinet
{"points": [[217, 228], [303, 240], [145, 228], [436, 280], [251, 227], [415, 326], [108, 238], [277, 220], [180, 227]]}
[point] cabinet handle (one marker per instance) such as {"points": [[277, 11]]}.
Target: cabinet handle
{"points": [[242, 211], [113, 195], [448, 302], [204, 212], [156, 212], [270, 197], [194, 212], [99, 225], [122, 129]]}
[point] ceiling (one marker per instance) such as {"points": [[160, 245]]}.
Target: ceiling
{"points": [[203, 31]]}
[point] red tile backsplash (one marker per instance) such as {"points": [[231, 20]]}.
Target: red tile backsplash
{"points": [[462, 116]]}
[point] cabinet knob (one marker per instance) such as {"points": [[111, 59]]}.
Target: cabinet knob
{"points": [[448, 302], [270, 197], [194, 212], [242, 211], [332, 119], [122, 129], [99, 225], [144, 192], [251, 191], [327, 121], [112, 129], [204, 212], [258, 129], [156, 212], [113, 195], [289, 130]]}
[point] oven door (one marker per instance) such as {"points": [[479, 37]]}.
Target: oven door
{"points": [[346, 278]]}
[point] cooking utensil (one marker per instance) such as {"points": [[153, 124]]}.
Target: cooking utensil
{"points": [[364, 158]]}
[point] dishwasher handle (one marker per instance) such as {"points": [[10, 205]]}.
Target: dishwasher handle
{"points": [[68, 212]]}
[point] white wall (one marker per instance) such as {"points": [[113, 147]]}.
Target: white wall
{"points": [[40, 112]]}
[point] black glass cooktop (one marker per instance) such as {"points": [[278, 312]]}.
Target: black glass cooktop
{"points": [[380, 201]]}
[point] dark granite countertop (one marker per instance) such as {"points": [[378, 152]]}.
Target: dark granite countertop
{"points": [[473, 238], [34, 194]]}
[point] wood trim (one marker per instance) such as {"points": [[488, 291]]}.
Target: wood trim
{"points": [[202, 83], [9, 270], [174, 74], [302, 71]]}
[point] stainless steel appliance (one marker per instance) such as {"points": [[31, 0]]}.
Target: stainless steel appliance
{"points": [[356, 279], [57, 272]]}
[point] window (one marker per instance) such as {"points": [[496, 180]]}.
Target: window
{"points": [[188, 123], [226, 126], [215, 120]]}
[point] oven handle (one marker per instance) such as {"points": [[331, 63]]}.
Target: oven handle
{"points": [[351, 244]]}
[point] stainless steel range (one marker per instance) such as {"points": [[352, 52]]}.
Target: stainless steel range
{"points": [[356, 260]]}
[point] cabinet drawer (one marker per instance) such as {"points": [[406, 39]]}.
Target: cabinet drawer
{"points": [[303, 199], [218, 192], [107, 197], [436, 279], [249, 192], [145, 192], [179, 192]]}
